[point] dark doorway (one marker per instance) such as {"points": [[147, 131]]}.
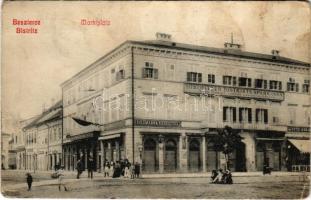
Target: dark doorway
{"points": [[240, 165], [170, 159], [149, 159], [194, 155]]}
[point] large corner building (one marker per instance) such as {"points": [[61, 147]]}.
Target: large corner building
{"points": [[160, 103]]}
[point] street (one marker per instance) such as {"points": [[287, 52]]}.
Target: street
{"points": [[250, 187]]}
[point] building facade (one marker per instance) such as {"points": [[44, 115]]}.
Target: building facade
{"points": [[5, 147], [160, 103], [43, 140]]}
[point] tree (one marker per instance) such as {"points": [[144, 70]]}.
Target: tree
{"points": [[226, 141]]}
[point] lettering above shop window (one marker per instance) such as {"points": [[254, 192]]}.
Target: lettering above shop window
{"points": [[298, 129], [157, 123], [217, 90]]}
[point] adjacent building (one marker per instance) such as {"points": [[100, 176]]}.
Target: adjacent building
{"points": [[160, 103], [43, 140]]}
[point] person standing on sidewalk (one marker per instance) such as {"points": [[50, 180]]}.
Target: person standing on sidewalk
{"points": [[137, 170], [29, 181], [60, 175], [79, 168], [90, 167]]}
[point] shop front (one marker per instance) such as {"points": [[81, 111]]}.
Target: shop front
{"points": [[80, 147], [270, 150], [160, 152], [298, 149]]}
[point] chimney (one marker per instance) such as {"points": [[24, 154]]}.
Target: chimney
{"points": [[275, 52], [163, 37]]}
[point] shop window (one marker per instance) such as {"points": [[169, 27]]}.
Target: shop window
{"points": [[149, 71], [194, 77]]}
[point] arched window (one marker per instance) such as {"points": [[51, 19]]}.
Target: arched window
{"points": [[194, 145], [170, 145], [149, 144]]}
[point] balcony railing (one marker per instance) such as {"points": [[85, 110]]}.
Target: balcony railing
{"points": [[229, 91]]}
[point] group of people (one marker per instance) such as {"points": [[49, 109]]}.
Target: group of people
{"points": [[121, 168], [111, 169], [222, 177]]}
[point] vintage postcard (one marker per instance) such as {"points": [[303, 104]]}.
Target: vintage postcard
{"points": [[184, 100]]}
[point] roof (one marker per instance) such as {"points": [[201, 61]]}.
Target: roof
{"points": [[223, 51], [197, 48], [54, 112]]}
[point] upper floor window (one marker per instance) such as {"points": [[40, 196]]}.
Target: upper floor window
{"points": [[262, 115], [306, 86], [211, 78], [245, 82], [194, 77], [245, 115], [260, 83], [275, 85], [229, 114], [149, 71], [120, 74], [229, 80], [292, 86]]}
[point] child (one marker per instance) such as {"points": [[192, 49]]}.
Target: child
{"points": [[107, 168], [60, 175], [29, 181]]}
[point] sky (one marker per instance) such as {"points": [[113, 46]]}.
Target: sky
{"points": [[34, 65]]}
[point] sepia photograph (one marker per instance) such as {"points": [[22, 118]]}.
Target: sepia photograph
{"points": [[155, 100]]}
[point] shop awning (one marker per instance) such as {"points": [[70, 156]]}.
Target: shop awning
{"points": [[302, 145]]}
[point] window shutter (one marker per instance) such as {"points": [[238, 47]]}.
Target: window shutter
{"points": [[249, 115], [155, 73], [224, 116], [144, 73], [280, 85], [234, 114], [249, 82], [297, 87], [240, 81], [234, 81], [223, 80], [188, 76], [240, 114], [199, 77], [266, 116], [257, 115], [213, 78]]}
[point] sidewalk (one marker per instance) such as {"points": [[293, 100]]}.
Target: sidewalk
{"points": [[208, 174]]}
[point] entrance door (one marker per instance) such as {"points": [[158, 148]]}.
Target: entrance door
{"points": [[149, 160], [240, 160], [194, 155], [170, 159]]}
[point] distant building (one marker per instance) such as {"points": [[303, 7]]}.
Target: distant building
{"points": [[160, 103], [5, 139]]}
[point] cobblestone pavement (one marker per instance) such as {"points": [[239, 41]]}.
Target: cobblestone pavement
{"points": [[274, 186]]}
